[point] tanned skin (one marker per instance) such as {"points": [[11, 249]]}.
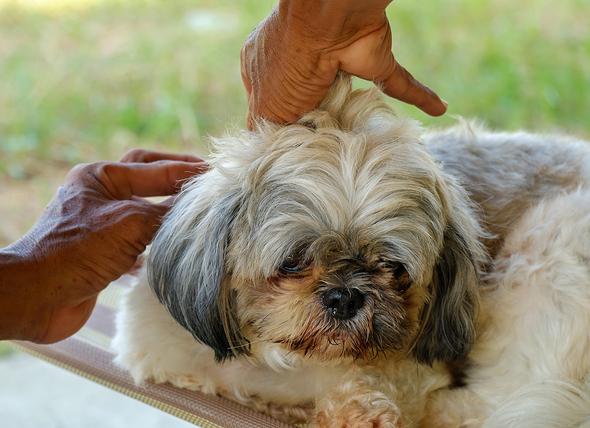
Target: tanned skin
{"points": [[90, 234], [291, 59]]}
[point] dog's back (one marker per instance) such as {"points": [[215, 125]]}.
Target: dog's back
{"points": [[530, 366], [506, 173], [533, 358]]}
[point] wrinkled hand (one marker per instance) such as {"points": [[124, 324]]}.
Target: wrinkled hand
{"points": [[90, 234], [294, 55]]}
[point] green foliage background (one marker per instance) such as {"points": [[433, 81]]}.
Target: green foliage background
{"points": [[83, 80]]}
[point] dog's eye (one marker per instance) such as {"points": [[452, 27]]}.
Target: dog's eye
{"points": [[401, 276], [397, 268], [293, 264]]}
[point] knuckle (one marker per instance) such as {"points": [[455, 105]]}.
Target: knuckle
{"points": [[135, 217], [243, 51], [79, 170], [85, 170], [134, 155], [137, 212], [104, 170], [131, 221]]}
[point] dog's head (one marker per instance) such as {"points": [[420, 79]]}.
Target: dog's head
{"points": [[338, 237]]}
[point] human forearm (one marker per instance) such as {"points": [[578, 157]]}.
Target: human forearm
{"points": [[21, 314]]}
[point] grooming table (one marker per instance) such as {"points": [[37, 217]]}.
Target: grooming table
{"points": [[88, 354]]}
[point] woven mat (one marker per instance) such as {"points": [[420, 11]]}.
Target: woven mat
{"points": [[87, 354]]}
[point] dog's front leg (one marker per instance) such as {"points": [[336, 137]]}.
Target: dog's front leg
{"points": [[357, 403], [452, 408]]}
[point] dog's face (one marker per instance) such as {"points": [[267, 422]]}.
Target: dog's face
{"points": [[340, 238]]}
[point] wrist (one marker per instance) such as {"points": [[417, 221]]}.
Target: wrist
{"points": [[22, 302]]}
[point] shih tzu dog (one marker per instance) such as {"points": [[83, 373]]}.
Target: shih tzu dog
{"points": [[329, 271]]}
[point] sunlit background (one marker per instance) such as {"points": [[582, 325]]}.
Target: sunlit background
{"points": [[83, 80]]}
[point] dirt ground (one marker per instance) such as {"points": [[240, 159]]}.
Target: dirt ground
{"points": [[24, 200]]}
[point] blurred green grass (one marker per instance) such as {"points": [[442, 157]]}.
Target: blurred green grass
{"points": [[82, 80]]}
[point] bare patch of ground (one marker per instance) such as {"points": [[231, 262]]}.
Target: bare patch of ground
{"points": [[23, 201]]}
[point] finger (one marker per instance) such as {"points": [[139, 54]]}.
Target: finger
{"points": [[139, 263], [160, 178], [245, 63], [166, 204], [140, 219], [147, 156], [400, 84]]}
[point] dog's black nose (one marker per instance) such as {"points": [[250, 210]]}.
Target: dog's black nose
{"points": [[343, 303]]}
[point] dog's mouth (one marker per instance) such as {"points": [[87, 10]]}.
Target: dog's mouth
{"points": [[358, 320], [363, 338]]}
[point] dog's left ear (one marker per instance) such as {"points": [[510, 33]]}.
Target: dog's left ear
{"points": [[448, 319], [187, 265]]}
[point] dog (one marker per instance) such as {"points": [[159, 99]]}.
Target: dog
{"points": [[329, 271]]}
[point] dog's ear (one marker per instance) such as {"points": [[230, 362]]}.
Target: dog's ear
{"points": [[187, 266], [448, 319]]}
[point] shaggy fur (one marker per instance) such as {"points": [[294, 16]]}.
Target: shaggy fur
{"points": [[328, 271], [531, 364], [507, 173]]}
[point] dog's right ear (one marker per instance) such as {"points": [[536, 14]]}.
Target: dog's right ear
{"points": [[186, 265]]}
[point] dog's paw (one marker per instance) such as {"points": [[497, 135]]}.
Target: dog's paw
{"points": [[373, 410], [294, 415]]}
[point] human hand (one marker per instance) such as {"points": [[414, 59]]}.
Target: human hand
{"points": [[291, 59], [90, 234]]}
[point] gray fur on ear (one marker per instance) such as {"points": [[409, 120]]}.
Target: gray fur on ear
{"points": [[448, 320], [186, 266]]}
